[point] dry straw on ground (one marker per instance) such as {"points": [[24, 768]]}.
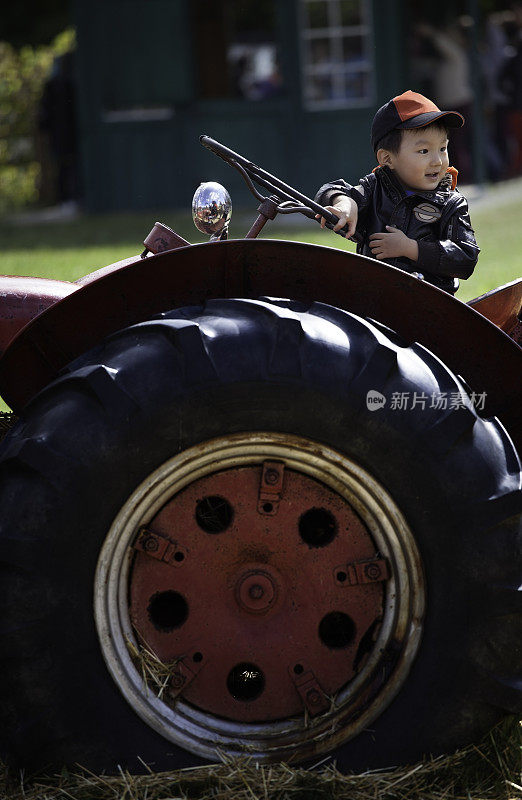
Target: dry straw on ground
{"points": [[156, 674], [491, 770]]}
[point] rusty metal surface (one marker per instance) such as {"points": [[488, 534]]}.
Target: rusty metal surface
{"points": [[516, 333], [270, 488], [23, 299], [467, 342], [371, 571], [162, 238], [257, 590], [257, 227], [103, 271], [159, 547], [501, 306]]}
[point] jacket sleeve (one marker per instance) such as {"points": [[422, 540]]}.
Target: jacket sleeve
{"points": [[362, 193], [456, 253]]}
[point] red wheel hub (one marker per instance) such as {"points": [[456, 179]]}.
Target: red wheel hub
{"points": [[264, 586], [257, 589]]}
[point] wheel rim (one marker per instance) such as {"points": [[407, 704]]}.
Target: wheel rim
{"points": [[277, 586]]}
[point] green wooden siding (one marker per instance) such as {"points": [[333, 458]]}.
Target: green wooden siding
{"points": [[140, 117]]}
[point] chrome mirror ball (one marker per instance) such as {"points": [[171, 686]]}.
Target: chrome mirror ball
{"points": [[211, 208]]}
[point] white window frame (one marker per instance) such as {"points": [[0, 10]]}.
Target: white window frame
{"points": [[337, 69]]}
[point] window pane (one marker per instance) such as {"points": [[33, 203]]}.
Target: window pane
{"points": [[353, 48], [320, 51], [337, 67], [356, 85], [317, 14], [350, 12], [319, 87]]}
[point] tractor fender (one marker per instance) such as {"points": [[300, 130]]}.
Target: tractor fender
{"points": [[23, 299], [471, 346], [503, 306]]}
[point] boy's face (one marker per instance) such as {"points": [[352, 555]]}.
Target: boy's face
{"points": [[422, 160]]}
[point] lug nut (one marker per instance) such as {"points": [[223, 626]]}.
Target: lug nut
{"points": [[313, 697], [271, 476], [177, 680], [150, 544], [372, 572], [256, 591]]}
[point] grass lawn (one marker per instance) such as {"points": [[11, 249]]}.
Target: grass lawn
{"points": [[69, 249]]}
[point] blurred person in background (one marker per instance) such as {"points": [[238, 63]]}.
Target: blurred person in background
{"points": [[452, 87], [510, 86], [493, 56]]}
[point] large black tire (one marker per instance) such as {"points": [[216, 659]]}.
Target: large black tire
{"points": [[153, 390]]}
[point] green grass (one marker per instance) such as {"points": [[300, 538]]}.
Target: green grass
{"points": [[69, 249]]}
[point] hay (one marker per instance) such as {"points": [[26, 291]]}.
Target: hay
{"points": [[155, 674], [491, 770]]}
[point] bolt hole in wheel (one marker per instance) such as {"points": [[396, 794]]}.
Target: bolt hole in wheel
{"points": [[245, 682], [214, 514], [337, 630], [244, 608], [317, 527], [167, 610]]}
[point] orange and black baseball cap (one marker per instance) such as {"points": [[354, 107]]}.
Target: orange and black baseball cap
{"points": [[409, 110]]}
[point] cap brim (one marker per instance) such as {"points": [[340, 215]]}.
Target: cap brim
{"points": [[453, 119]]}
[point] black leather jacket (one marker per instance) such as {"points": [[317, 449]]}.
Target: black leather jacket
{"points": [[438, 221]]}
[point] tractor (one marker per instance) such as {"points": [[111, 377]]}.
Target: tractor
{"points": [[258, 498]]}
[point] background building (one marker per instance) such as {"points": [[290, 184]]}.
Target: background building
{"points": [[291, 85]]}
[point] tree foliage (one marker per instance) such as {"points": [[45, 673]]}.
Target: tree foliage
{"points": [[23, 73]]}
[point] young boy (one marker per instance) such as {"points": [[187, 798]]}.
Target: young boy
{"points": [[408, 212]]}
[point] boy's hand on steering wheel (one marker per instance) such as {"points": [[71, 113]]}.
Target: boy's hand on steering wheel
{"points": [[346, 209]]}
